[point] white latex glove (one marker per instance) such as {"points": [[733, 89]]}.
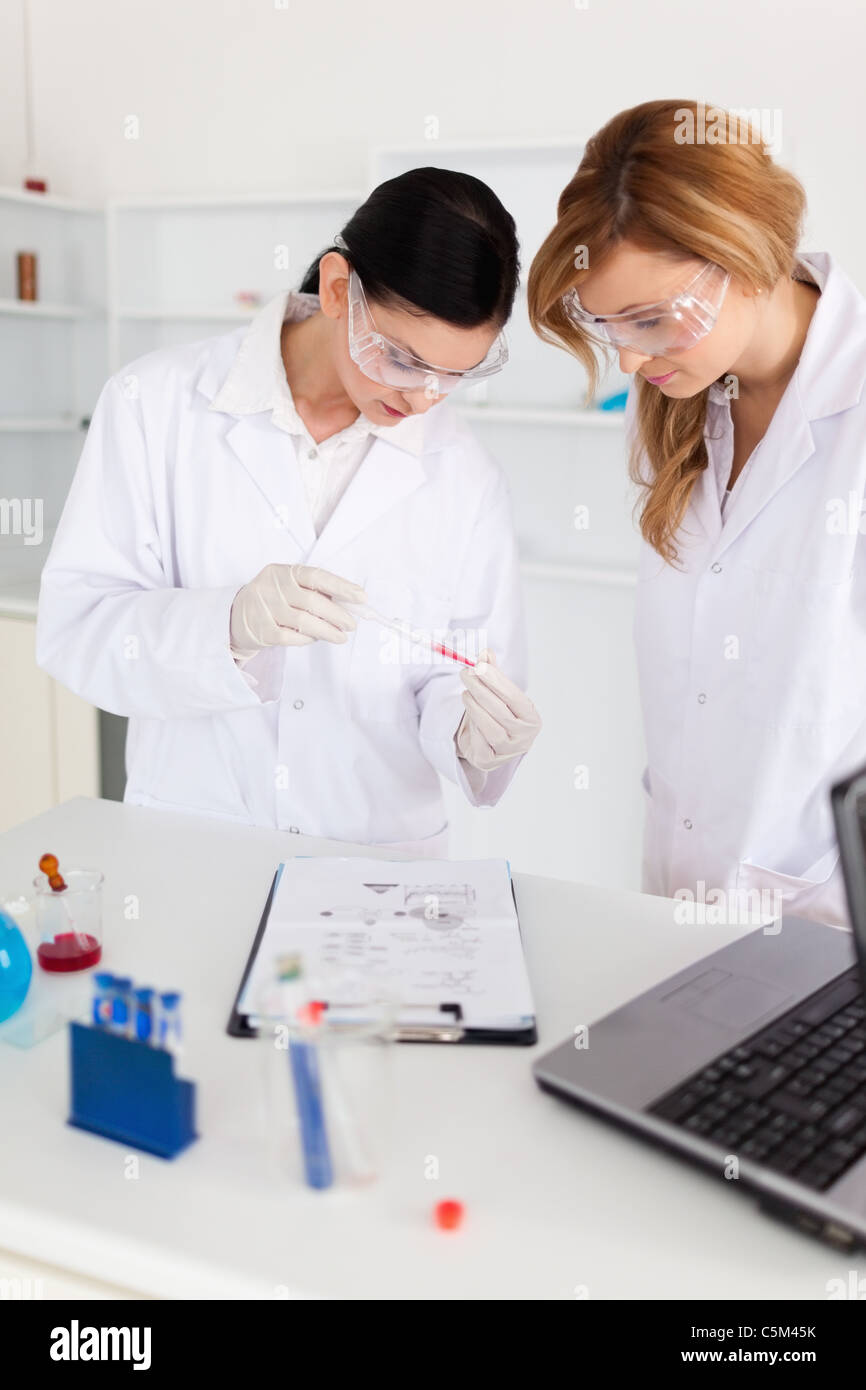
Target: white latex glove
{"points": [[291, 606], [500, 722]]}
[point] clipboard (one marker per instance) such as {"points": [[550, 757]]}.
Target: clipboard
{"points": [[453, 1028]]}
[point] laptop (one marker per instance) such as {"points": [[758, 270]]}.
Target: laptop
{"points": [[755, 1054]]}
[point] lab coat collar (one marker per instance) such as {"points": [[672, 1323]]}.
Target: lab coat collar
{"points": [[249, 382], [267, 457], [256, 380], [386, 476], [829, 378], [832, 368]]}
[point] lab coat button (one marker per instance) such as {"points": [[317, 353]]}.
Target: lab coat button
{"points": [[293, 830], [716, 568], [687, 824], [313, 454], [298, 704], [702, 699]]}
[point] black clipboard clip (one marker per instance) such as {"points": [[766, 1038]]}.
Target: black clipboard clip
{"points": [[421, 1032], [431, 1032]]}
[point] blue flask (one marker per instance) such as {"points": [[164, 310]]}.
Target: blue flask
{"points": [[16, 967]]}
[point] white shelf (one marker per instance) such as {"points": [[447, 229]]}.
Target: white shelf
{"points": [[34, 424], [172, 201], [20, 575], [541, 415], [497, 145], [232, 311], [41, 310], [19, 600], [608, 576], [48, 200]]}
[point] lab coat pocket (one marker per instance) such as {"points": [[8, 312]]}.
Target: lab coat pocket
{"points": [[775, 892]]}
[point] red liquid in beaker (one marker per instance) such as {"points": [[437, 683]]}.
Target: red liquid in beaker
{"points": [[69, 951]]}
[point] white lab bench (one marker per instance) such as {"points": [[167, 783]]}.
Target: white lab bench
{"points": [[557, 1204]]}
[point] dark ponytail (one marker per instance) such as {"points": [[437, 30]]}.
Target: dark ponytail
{"points": [[434, 241]]}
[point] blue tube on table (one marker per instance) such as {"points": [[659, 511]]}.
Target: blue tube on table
{"points": [[170, 1032], [303, 1060], [143, 1029], [103, 1002], [121, 1006]]}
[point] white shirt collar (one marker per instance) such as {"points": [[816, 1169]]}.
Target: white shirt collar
{"points": [[257, 380]]}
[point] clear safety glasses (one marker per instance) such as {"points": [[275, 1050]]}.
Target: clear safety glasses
{"points": [[390, 365], [654, 330]]}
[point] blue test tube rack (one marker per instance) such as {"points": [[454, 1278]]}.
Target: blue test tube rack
{"points": [[127, 1091]]}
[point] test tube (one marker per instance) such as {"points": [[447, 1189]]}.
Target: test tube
{"points": [[121, 1006], [143, 1029], [103, 1001], [169, 1022], [413, 634]]}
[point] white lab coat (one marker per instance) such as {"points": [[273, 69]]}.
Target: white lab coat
{"points": [[173, 507], [752, 657]]}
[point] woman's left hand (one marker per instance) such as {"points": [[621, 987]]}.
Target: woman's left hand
{"points": [[500, 722]]}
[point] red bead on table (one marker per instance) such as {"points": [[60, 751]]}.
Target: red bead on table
{"points": [[448, 1215]]}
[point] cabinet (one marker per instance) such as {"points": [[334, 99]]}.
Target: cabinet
{"points": [[49, 747]]}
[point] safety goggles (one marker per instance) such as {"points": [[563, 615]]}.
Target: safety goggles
{"points": [[383, 361], [654, 330]]}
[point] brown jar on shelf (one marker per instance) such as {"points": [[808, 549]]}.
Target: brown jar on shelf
{"points": [[27, 275]]}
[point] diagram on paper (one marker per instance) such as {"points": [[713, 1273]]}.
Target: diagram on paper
{"points": [[423, 936]]}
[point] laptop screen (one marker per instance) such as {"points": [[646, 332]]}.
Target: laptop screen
{"points": [[849, 814]]}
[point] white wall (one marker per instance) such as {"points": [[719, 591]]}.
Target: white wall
{"points": [[253, 95]]}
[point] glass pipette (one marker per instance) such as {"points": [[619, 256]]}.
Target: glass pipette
{"points": [[413, 634]]}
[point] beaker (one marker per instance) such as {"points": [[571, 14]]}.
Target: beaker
{"points": [[69, 922]]}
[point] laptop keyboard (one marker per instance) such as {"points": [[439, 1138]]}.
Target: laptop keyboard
{"points": [[793, 1096]]}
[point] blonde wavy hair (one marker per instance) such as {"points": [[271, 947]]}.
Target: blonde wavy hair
{"points": [[728, 203]]}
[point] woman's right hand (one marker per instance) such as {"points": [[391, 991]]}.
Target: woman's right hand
{"points": [[291, 606]]}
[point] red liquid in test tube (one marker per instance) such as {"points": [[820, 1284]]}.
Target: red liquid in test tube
{"points": [[452, 655], [413, 634]]}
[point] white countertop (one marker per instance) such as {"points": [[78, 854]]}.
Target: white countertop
{"points": [[556, 1202]]}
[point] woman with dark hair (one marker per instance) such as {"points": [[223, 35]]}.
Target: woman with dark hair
{"points": [[241, 502]]}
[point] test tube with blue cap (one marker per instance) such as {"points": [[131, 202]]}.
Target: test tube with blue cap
{"points": [[121, 1005], [144, 1009], [103, 999], [169, 1032], [138, 1013]]}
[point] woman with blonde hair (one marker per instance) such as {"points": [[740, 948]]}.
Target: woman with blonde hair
{"points": [[747, 432]]}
